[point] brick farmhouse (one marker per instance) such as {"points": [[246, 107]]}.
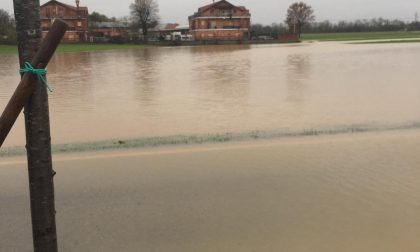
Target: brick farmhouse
{"points": [[220, 21], [75, 16]]}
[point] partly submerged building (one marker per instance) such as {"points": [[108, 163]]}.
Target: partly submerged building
{"points": [[75, 16], [221, 21]]}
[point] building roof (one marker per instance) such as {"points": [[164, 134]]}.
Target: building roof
{"points": [[178, 28], [66, 5], [109, 25], [212, 5], [209, 6]]}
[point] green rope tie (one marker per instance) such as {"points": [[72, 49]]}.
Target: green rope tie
{"points": [[40, 73]]}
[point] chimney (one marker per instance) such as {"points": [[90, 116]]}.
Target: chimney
{"points": [[77, 3]]}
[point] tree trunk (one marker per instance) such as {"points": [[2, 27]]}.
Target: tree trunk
{"points": [[299, 29], [38, 139], [145, 31]]}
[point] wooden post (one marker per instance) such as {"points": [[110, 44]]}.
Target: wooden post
{"points": [[29, 81], [38, 139]]}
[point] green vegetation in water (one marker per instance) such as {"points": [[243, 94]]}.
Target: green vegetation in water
{"points": [[351, 36], [68, 48], [149, 142]]}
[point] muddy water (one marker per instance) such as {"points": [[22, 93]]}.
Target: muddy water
{"points": [[200, 90], [327, 193], [348, 193]]}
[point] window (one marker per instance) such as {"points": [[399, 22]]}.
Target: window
{"points": [[79, 24], [213, 25], [61, 12]]}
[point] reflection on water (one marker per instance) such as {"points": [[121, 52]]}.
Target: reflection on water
{"points": [[297, 75], [216, 89], [221, 76], [146, 78]]}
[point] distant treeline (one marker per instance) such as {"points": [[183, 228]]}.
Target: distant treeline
{"points": [[372, 25], [268, 30]]}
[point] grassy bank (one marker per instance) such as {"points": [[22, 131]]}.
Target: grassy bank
{"points": [[352, 36], [66, 48], [7, 49], [387, 37], [95, 47]]}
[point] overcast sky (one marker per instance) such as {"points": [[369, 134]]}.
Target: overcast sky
{"points": [[262, 11]]}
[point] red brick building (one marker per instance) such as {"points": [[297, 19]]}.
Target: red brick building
{"points": [[108, 29], [75, 16], [221, 21]]}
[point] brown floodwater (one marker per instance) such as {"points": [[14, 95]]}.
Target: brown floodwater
{"points": [[126, 94], [349, 192]]}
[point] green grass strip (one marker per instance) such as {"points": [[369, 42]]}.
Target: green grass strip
{"points": [[8, 49], [74, 48], [67, 48]]}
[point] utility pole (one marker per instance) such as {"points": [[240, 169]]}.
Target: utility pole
{"points": [[38, 139]]}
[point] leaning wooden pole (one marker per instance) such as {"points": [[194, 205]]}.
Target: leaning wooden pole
{"points": [[27, 85], [38, 138]]}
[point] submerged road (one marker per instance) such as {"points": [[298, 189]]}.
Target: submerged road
{"points": [[357, 192]]}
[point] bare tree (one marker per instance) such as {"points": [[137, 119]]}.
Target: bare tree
{"points": [[7, 28], [145, 14], [5, 22], [299, 14]]}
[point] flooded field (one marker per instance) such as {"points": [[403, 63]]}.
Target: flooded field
{"points": [[350, 193], [238, 89], [306, 187]]}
